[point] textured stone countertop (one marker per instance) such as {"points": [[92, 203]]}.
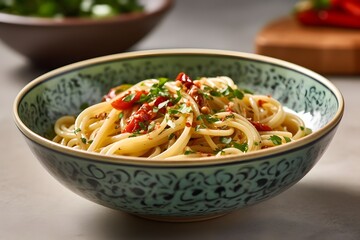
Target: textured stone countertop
{"points": [[325, 204]]}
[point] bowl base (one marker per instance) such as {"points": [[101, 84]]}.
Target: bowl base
{"points": [[181, 219]]}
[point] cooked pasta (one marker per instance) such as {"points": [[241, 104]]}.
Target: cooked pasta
{"points": [[163, 119]]}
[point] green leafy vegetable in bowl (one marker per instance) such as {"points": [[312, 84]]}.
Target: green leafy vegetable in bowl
{"points": [[70, 8]]}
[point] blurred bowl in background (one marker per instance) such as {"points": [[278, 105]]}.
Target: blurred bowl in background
{"points": [[51, 42]]}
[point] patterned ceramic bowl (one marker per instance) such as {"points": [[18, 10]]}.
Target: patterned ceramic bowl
{"points": [[178, 190]]}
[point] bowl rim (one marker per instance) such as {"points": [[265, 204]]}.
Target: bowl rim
{"points": [[113, 159], [8, 18]]}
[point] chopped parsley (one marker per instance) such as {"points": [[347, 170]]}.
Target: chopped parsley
{"points": [[151, 126], [208, 118], [183, 108], [142, 126], [121, 115], [287, 139], [188, 152], [83, 140], [129, 97], [77, 130], [276, 140], [241, 146], [177, 99], [171, 136]]}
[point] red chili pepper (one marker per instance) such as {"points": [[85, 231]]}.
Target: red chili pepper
{"points": [[351, 6], [159, 100], [185, 80], [143, 114], [261, 102], [328, 18], [123, 104], [260, 126]]}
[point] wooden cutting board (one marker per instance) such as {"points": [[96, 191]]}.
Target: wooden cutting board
{"points": [[326, 50]]}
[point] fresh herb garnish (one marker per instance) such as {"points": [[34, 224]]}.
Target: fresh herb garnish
{"points": [[142, 126], [187, 152], [208, 118], [276, 140], [287, 139], [183, 108], [83, 140], [177, 99], [77, 130], [241, 146], [171, 136], [151, 126], [129, 97], [121, 115]]}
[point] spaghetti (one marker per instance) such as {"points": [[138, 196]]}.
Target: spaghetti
{"points": [[163, 119]]}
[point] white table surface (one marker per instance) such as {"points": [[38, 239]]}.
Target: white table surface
{"points": [[325, 204]]}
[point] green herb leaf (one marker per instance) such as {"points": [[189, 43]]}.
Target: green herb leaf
{"points": [[129, 97], [77, 130], [83, 140], [276, 140], [242, 147], [238, 94], [215, 93], [121, 115], [187, 152], [178, 98], [162, 82], [171, 136], [142, 126], [151, 126], [287, 139], [208, 118], [307, 131], [144, 98]]}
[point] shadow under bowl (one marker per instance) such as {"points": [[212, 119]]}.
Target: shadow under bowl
{"points": [[178, 190]]}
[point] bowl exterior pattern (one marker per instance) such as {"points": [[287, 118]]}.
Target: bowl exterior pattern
{"points": [[177, 191], [181, 192]]}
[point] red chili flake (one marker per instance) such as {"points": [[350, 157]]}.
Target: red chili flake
{"points": [[185, 80], [261, 102], [143, 115], [123, 104], [260, 126]]}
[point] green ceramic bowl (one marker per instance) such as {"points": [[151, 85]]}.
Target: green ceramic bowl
{"points": [[178, 190]]}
